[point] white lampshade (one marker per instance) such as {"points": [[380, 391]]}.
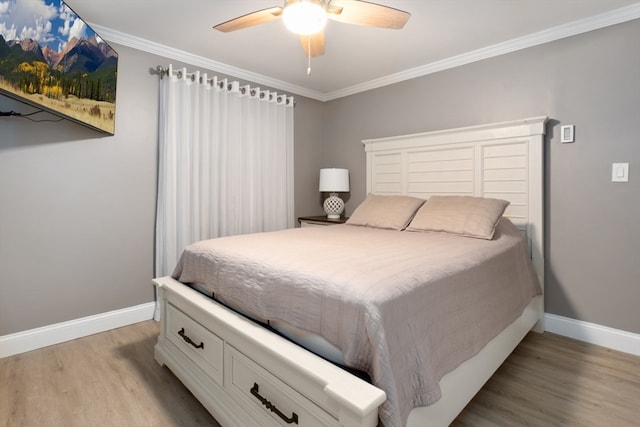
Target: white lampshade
{"points": [[334, 180]]}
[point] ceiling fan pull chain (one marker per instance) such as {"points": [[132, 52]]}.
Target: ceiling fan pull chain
{"points": [[308, 55]]}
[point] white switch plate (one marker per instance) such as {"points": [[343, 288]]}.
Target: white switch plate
{"points": [[566, 133], [620, 172]]}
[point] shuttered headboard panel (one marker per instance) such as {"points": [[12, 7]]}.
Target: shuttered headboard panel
{"points": [[499, 160]]}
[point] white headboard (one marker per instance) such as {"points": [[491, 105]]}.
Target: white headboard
{"points": [[500, 160]]}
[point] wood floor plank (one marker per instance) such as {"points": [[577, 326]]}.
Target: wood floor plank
{"points": [[112, 379], [556, 381], [108, 379]]}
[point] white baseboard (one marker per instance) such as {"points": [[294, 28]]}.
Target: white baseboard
{"points": [[32, 339], [21, 342], [604, 336]]}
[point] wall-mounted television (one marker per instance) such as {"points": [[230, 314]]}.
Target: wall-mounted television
{"points": [[51, 59]]}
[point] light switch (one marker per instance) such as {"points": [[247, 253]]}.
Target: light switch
{"points": [[620, 172], [566, 133]]}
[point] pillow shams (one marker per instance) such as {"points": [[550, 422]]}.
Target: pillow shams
{"points": [[390, 212], [462, 215]]}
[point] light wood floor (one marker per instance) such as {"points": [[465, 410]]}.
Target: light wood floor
{"points": [[111, 379]]}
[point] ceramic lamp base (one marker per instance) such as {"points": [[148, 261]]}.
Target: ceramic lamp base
{"points": [[333, 206]]}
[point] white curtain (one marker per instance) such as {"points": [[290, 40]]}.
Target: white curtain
{"points": [[225, 162]]}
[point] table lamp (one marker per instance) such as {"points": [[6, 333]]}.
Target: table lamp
{"points": [[333, 180]]}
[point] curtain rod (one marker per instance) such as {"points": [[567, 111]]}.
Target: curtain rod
{"points": [[213, 81]]}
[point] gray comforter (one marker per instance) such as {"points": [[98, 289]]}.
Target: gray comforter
{"points": [[406, 307]]}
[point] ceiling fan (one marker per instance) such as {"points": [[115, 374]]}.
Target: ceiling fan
{"points": [[307, 18]]}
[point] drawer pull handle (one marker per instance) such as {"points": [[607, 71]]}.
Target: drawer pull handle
{"points": [[272, 408], [189, 340]]}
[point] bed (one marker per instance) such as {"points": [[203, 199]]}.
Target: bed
{"points": [[247, 373]]}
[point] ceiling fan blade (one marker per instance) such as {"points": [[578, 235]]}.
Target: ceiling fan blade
{"points": [[250, 19], [370, 14], [313, 44]]}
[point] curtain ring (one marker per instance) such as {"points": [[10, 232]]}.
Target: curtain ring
{"points": [[214, 82]]}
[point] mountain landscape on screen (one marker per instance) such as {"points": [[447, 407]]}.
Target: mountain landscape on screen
{"points": [[51, 59]]}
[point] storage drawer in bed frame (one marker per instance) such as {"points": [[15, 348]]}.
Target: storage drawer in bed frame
{"points": [[199, 344], [246, 375]]}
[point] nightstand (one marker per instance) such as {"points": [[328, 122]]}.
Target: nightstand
{"points": [[319, 221]]}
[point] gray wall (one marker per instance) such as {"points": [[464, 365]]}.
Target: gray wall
{"points": [[591, 81], [77, 209]]}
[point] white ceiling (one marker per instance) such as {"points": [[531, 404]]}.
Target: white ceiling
{"points": [[440, 34]]}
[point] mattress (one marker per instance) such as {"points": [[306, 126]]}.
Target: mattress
{"points": [[309, 340], [405, 307]]}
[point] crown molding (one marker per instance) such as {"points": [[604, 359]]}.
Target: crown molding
{"points": [[596, 22], [200, 61], [607, 19]]}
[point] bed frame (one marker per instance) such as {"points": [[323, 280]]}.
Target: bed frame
{"points": [[246, 375], [500, 160]]}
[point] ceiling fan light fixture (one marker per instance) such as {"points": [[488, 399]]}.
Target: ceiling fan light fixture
{"points": [[304, 17]]}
